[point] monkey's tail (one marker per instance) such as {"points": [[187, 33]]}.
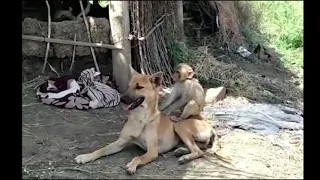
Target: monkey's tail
{"points": [[214, 140]]}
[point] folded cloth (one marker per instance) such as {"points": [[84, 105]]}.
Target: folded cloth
{"points": [[88, 92]]}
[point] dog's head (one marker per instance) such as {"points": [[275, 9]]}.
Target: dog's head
{"points": [[143, 90]]}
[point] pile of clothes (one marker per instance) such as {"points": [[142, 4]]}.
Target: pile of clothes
{"points": [[88, 91]]}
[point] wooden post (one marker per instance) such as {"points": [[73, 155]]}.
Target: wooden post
{"points": [[120, 29], [179, 20]]}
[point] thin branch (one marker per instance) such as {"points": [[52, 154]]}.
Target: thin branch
{"points": [[73, 53], [86, 11], [158, 23], [89, 37], [49, 34], [68, 42], [52, 69]]}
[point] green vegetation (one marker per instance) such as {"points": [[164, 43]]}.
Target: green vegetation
{"points": [[102, 3], [279, 24], [180, 53]]}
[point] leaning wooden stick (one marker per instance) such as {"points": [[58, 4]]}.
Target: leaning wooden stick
{"points": [[89, 37], [49, 34], [73, 53]]}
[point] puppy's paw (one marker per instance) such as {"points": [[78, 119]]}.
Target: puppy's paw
{"points": [[130, 168], [83, 158]]}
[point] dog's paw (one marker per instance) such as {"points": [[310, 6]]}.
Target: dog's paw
{"points": [[183, 160], [130, 168], [83, 158]]}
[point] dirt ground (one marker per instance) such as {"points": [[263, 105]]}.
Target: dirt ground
{"points": [[53, 137]]}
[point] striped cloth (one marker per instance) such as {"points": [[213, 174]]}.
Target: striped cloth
{"points": [[101, 95], [90, 91]]}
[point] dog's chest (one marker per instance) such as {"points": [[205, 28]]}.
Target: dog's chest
{"points": [[141, 141], [140, 116]]}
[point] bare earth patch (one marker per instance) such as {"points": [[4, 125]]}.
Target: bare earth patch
{"points": [[53, 137]]}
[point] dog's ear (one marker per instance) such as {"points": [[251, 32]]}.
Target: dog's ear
{"points": [[157, 78], [133, 71]]}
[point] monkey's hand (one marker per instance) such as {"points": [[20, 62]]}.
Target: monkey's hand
{"points": [[175, 118], [162, 108], [166, 112]]}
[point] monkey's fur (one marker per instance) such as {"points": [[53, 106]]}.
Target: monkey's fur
{"points": [[187, 94]]}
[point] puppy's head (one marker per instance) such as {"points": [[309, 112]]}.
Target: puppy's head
{"points": [[143, 90], [182, 72]]}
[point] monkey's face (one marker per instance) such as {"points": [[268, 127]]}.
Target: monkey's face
{"points": [[182, 72], [176, 76], [142, 90]]}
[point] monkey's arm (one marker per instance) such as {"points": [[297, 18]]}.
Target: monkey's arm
{"points": [[176, 105], [172, 97]]}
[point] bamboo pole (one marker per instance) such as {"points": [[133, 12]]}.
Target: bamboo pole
{"points": [[68, 42], [89, 36], [49, 35]]}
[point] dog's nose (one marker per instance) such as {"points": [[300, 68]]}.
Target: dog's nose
{"points": [[125, 99]]}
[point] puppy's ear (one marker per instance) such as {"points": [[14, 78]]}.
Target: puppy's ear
{"points": [[157, 78]]}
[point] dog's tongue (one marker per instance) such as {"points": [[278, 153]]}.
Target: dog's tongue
{"points": [[126, 107]]}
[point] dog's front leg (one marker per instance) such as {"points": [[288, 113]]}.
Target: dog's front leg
{"points": [[151, 137], [107, 150]]}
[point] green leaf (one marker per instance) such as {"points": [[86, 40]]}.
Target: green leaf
{"points": [[103, 3]]}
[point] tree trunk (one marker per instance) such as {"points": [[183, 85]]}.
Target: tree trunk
{"points": [[120, 29], [179, 20]]}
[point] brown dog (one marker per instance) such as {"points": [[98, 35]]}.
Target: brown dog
{"points": [[153, 132]]}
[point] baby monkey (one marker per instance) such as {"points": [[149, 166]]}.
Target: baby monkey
{"points": [[187, 94]]}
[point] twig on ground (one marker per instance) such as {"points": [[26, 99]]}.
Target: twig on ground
{"points": [[73, 168], [52, 68], [32, 156], [49, 35], [73, 53], [108, 134], [30, 104], [269, 117], [86, 123], [31, 81], [89, 36]]}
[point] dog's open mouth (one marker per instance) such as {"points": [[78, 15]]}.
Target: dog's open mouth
{"points": [[135, 104]]}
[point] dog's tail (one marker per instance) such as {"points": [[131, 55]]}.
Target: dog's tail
{"points": [[214, 140]]}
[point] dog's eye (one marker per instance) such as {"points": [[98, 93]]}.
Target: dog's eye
{"points": [[139, 87]]}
